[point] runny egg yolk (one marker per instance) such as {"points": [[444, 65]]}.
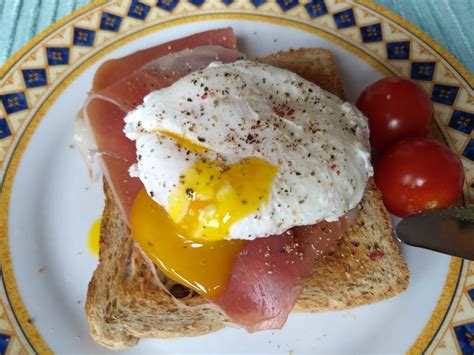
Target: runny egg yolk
{"points": [[201, 266], [190, 243], [93, 240], [212, 196]]}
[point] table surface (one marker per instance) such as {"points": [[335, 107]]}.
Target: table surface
{"points": [[450, 22]]}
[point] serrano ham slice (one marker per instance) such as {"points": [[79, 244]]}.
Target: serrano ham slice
{"points": [[268, 273], [116, 69]]}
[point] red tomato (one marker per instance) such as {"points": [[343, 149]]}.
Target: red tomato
{"points": [[418, 174], [397, 108]]}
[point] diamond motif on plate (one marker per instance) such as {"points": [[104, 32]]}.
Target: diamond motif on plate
{"points": [[462, 121], [422, 70], [197, 2], [4, 129], [471, 294], [110, 22], [4, 341], [468, 152], [344, 19], [34, 77], [371, 33], [167, 5], [57, 55], [444, 94], [316, 8], [83, 37], [138, 10], [465, 337], [287, 4], [14, 102], [398, 50], [257, 3]]}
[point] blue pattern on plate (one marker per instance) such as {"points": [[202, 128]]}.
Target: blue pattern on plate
{"points": [[462, 121], [197, 2], [287, 4], [4, 129], [57, 55], [4, 340], [451, 20], [344, 19], [83, 37], [138, 10], [371, 33], [468, 152], [316, 8], [34, 77], [422, 70], [465, 335], [167, 5], [471, 294], [14, 102], [398, 50], [257, 3], [444, 94], [110, 22]]}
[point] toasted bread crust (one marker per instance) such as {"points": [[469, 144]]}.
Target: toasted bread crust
{"points": [[125, 302], [314, 64]]}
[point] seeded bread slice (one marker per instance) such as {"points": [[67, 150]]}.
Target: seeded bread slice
{"points": [[313, 64], [125, 301]]}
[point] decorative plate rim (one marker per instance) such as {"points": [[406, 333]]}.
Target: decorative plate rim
{"points": [[32, 334], [455, 63]]}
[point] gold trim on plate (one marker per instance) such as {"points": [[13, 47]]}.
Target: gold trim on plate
{"points": [[33, 335]]}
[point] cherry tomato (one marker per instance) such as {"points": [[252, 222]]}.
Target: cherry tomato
{"points": [[418, 174], [397, 108]]}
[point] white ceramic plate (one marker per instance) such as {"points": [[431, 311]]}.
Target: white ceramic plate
{"points": [[49, 202]]}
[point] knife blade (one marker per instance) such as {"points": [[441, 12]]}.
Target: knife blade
{"points": [[449, 231]]}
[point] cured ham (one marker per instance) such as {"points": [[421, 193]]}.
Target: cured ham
{"points": [[268, 273], [116, 69]]}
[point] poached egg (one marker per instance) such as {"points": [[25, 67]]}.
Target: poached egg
{"points": [[246, 150], [236, 152]]}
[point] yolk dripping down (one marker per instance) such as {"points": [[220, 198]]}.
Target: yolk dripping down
{"points": [[189, 244], [203, 267], [94, 238]]}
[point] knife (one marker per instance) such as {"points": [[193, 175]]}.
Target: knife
{"points": [[449, 231]]}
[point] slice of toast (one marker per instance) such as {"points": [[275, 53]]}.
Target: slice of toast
{"points": [[126, 302]]}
